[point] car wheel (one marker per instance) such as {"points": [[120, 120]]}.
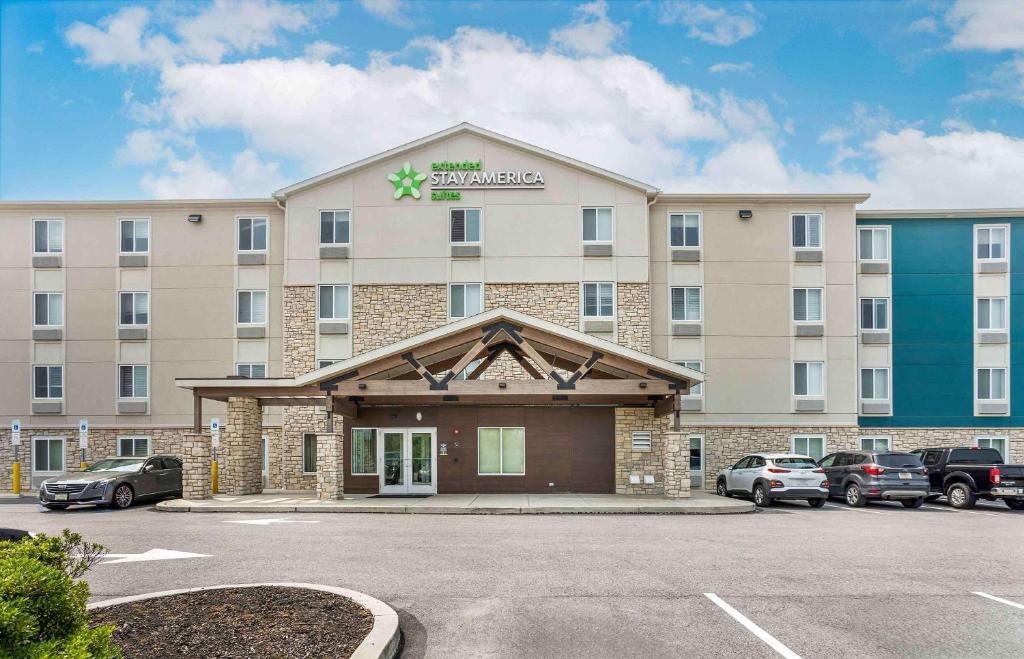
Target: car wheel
{"points": [[854, 497], [960, 496], [761, 498], [55, 506], [912, 503], [123, 496], [722, 490], [817, 503], [1014, 504]]}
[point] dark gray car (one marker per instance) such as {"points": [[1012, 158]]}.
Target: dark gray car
{"points": [[860, 476], [116, 482]]}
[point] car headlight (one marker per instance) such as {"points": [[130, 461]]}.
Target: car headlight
{"points": [[100, 484]]}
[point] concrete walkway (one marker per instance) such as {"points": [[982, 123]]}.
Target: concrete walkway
{"points": [[699, 503]]}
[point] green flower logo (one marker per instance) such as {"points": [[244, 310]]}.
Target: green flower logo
{"points": [[407, 181]]}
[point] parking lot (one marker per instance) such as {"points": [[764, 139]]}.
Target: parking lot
{"points": [[882, 581]]}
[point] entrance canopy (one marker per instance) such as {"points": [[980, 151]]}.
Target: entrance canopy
{"points": [[567, 366]]}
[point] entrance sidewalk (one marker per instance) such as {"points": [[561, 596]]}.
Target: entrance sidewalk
{"points": [[699, 503]]}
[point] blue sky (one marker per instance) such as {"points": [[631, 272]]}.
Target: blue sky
{"points": [[919, 103]]}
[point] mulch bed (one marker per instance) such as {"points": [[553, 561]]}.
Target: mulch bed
{"points": [[263, 621]]}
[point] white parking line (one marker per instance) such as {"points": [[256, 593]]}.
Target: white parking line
{"points": [[999, 599], [968, 512], [855, 510], [772, 642]]}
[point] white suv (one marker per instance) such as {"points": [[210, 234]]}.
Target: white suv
{"points": [[769, 476]]}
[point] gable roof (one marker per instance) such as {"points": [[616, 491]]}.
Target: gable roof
{"points": [[463, 129]]}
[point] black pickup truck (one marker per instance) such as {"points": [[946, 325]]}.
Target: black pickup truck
{"points": [[967, 474]]}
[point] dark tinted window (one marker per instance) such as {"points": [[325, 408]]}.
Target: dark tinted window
{"points": [[897, 460], [756, 462], [932, 457], [842, 459], [858, 459], [828, 460], [172, 463], [976, 455], [742, 464], [796, 463]]}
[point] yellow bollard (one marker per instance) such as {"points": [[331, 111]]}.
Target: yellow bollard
{"points": [[16, 476], [82, 465], [213, 476]]}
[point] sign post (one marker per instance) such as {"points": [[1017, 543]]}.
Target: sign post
{"points": [[15, 465], [83, 440], [215, 443]]}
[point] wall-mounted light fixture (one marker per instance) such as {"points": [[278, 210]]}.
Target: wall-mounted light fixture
{"points": [[746, 215], [195, 219]]}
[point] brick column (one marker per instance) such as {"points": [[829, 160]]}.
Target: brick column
{"points": [[677, 465], [330, 470], [240, 458], [195, 472]]}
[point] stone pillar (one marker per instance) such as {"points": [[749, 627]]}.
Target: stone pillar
{"points": [[195, 472], [639, 471], [677, 465], [240, 457], [330, 469]]}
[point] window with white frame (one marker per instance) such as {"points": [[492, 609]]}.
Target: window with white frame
{"points": [[252, 307], [597, 225], [309, 453], [808, 379], [997, 443], [501, 451], [874, 313], [134, 236], [991, 384], [254, 370], [48, 236], [874, 383], [48, 381], [991, 243], [686, 303], [134, 308], [698, 388], [875, 444], [464, 375], [598, 299], [684, 229], [464, 226], [334, 227], [364, 451], [252, 234], [807, 304], [135, 447], [992, 313], [465, 300], [642, 440], [322, 363], [49, 309], [812, 445], [807, 230], [133, 381], [334, 302], [874, 243], [48, 454]]}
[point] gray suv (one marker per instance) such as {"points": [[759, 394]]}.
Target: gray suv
{"points": [[116, 482], [860, 476]]}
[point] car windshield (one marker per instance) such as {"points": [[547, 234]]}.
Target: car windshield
{"points": [[796, 463], [898, 460], [126, 465]]}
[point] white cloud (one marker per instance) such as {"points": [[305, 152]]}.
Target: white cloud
{"points": [[926, 25], [992, 25], [240, 26], [144, 146], [394, 12], [731, 67], [714, 25], [120, 40], [323, 50], [35, 48], [196, 178], [591, 31]]}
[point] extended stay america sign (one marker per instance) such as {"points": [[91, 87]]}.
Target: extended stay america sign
{"points": [[448, 179]]}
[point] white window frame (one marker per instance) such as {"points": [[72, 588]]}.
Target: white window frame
{"points": [[63, 455], [1005, 439], [1006, 244], [62, 309], [598, 241], [824, 380], [615, 304], [324, 363], [320, 236], [645, 437], [794, 438], [874, 438], [304, 453], [348, 303], [686, 363], [238, 306], [63, 236], [700, 229], [63, 383], [1006, 314], [480, 228], [120, 237], [249, 365], [120, 314], [376, 469], [821, 230], [888, 382], [451, 298], [821, 305], [700, 306], [238, 233], [888, 243], [874, 315], [501, 451], [134, 438], [1006, 383], [133, 397]]}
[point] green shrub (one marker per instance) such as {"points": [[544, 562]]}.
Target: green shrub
{"points": [[42, 604]]}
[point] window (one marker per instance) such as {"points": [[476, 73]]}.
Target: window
{"points": [[252, 234], [48, 236], [991, 313], [48, 382], [321, 363], [49, 309], [991, 243], [134, 236], [697, 389], [642, 440], [465, 300], [364, 451], [874, 383], [807, 304], [991, 384], [252, 307], [255, 371], [501, 451], [309, 453], [464, 375], [684, 229], [334, 302], [465, 225], [995, 443], [807, 378], [598, 299], [807, 230], [48, 455], [686, 303], [133, 446], [874, 313], [133, 381], [812, 445], [134, 308], [334, 228], [874, 444], [874, 243], [597, 225]]}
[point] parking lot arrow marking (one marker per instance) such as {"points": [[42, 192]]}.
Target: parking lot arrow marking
{"points": [[271, 520], [152, 555], [1000, 600], [772, 642]]}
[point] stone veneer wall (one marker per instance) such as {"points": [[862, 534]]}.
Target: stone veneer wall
{"points": [[240, 456], [385, 313], [330, 475], [555, 303], [639, 463], [299, 357], [677, 465], [633, 307], [196, 474]]}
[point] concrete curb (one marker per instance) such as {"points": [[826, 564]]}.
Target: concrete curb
{"points": [[381, 643], [181, 506]]}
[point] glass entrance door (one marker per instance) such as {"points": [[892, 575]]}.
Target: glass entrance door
{"points": [[696, 461], [407, 457]]}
